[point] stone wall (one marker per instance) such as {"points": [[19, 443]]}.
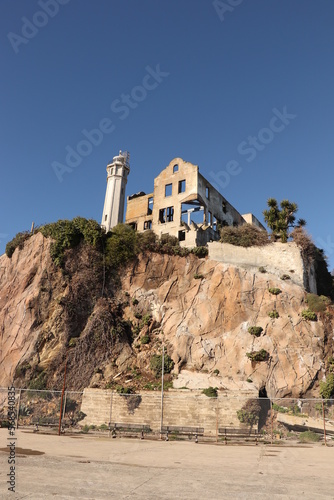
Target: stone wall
{"points": [[181, 408], [276, 258]]}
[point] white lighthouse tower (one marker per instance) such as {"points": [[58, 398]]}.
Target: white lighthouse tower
{"points": [[117, 175]]}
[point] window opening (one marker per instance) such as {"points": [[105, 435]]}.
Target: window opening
{"points": [[150, 205], [168, 189], [182, 186], [182, 235]]}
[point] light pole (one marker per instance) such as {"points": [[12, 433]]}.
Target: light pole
{"points": [[162, 388]]}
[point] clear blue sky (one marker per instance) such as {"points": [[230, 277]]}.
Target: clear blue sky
{"points": [[221, 76]]}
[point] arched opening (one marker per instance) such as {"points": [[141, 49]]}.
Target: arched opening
{"points": [[265, 407]]}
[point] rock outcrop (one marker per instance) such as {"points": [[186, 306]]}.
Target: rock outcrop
{"points": [[205, 309], [200, 309]]}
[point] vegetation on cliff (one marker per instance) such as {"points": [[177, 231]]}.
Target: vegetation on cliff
{"points": [[77, 307], [109, 334], [244, 236], [281, 219]]}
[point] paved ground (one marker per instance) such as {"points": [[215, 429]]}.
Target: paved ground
{"points": [[98, 468]]}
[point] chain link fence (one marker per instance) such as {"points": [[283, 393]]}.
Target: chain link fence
{"points": [[224, 418]]}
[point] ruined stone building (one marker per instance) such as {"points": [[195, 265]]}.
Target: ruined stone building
{"points": [[183, 204]]}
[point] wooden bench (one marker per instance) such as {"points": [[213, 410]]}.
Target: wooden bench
{"points": [[50, 422], [177, 430], [235, 433], [129, 428]]}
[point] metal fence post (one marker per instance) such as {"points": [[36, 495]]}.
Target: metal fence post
{"points": [[110, 412], [323, 416], [162, 389], [18, 409], [272, 421], [217, 418], [64, 406]]}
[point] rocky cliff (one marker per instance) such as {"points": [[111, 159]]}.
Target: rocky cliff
{"points": [[106, 328]]}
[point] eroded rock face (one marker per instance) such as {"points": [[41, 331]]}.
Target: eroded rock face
{"points": [[20, 280], [204, 309], [205, 323]]}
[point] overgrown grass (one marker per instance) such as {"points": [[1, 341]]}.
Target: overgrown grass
{"points": [[309, 437], [244, 236], [317, 303]]}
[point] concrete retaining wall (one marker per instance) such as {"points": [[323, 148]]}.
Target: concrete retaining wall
{"points": [[181, 408], [276, 258]]}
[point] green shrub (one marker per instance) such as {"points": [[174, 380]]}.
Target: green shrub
{"points": [[21, 369], [258, 356], [198, 276], [68, 234], [169, 241], [255, 330], [249, 380], [262, 269], [71, 404], [309, 437], [216, 372], [147, 241], [317, 303], [273, 314], [275, 291], [327, 388], [244, 236], [309, 315], [285, 277], [80, 416], [121, 246], [156, 364], [330, 364], [280, 409], [39, 382], [135, 302], [145, 339], [250, 412], [120, 389], [156, 386], [315, 255], [17, 241], [73, 342], [200, 252], [211, 392], [25, 410], [146, 320]]}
